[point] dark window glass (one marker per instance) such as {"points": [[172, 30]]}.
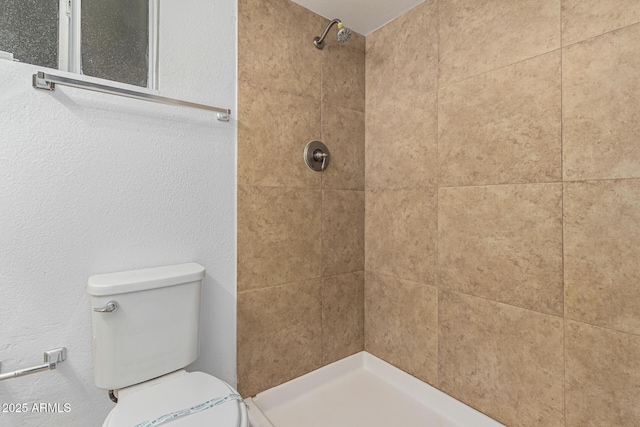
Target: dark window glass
{"points": [[115, 40], [29, 30]]}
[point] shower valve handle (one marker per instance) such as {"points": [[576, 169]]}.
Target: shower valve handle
{"points": [[316, 156], [320, 156]]}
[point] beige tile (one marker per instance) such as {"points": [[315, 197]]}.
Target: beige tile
{"points": [[601, 113], [503, 126], [504, 361], [343, 134], [601, 241], [503, 243], [401, 319], [401, 234], [273, 129], [402, 56], [603, 377], [582, 19], [402, 142], [279, 236], [343, 68], [342, 316], [279, 334], [342, 232], [275, 47], [481, 35]]}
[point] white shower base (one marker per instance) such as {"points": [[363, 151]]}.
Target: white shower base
{"points": [[360, 391]]}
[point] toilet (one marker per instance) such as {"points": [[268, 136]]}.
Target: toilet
{"points": [[145, 332]]}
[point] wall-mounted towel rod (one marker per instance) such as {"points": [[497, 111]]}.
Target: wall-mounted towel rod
{"points": [[51, 360], [47, 81]]}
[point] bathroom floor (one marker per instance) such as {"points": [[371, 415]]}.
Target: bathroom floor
{"points": [[362, 390]]}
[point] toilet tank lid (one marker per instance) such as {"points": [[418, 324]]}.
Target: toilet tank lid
{"points": [[141, 280]]}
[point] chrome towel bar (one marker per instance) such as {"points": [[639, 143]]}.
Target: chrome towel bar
{"points": [[51, 360], [42, 80]]}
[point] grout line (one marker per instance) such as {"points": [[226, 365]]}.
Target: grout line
{"points": [[364, 200], [289, 187], [564, 309], [263, 88], [601, 179], [322, 250], [437, 180], [500, 67], [602, 34], [564, 369], [263, 288], [502, 184], [437, 338], [297, 282], [543, 182], [560, 316], [376, 189], [413, 281], [606, 328], [322, 126]]}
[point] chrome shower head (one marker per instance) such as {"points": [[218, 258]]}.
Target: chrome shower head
{"points": [[344, 34]]}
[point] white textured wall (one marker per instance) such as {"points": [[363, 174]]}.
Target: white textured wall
{"points": [[92, 183]]}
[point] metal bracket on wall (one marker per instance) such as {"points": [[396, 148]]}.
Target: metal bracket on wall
{"points": [[51, 360]]}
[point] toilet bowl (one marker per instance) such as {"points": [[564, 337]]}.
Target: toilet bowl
{"points": [[199, 399], [145, 331]]}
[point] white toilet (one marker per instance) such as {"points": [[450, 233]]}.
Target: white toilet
{"points": [[145, 331]]}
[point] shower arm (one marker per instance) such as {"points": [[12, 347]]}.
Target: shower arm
{"points": [[319, 41]]}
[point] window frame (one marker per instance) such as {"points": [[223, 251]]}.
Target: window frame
{"points": [[70, 39]]}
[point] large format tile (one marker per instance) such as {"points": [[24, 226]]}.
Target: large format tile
{"points": [[343, 68], [273, 129], [582, 19], [279, 236], [401, 234], [603, 377], [503, 243], [279, 334], [602, 240], [401, 324], [503, 126], [481, 35], [402, 56], [343, 134], [275, 47], [601, 112], [342, 316], [342, 232], [402, 142], [502, 360]]}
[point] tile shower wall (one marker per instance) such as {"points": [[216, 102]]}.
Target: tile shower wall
{"points": [[300, 233], [503, 205]]}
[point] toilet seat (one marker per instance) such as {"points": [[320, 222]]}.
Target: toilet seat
{"points": [[180, 391]]}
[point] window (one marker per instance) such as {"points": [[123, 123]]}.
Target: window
{"points": [[115, 40]]}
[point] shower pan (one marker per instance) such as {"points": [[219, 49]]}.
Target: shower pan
{"points": [[360, 391]]}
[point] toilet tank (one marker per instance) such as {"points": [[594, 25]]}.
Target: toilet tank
{"points": [[153, 331]]}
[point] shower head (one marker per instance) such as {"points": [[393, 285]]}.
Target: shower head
{"points": [[344, 34]]}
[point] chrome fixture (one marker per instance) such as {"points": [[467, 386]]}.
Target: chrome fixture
{"points": [[110, 307], [51, 360], [343, 35], [316, 156], [47, 81]]}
